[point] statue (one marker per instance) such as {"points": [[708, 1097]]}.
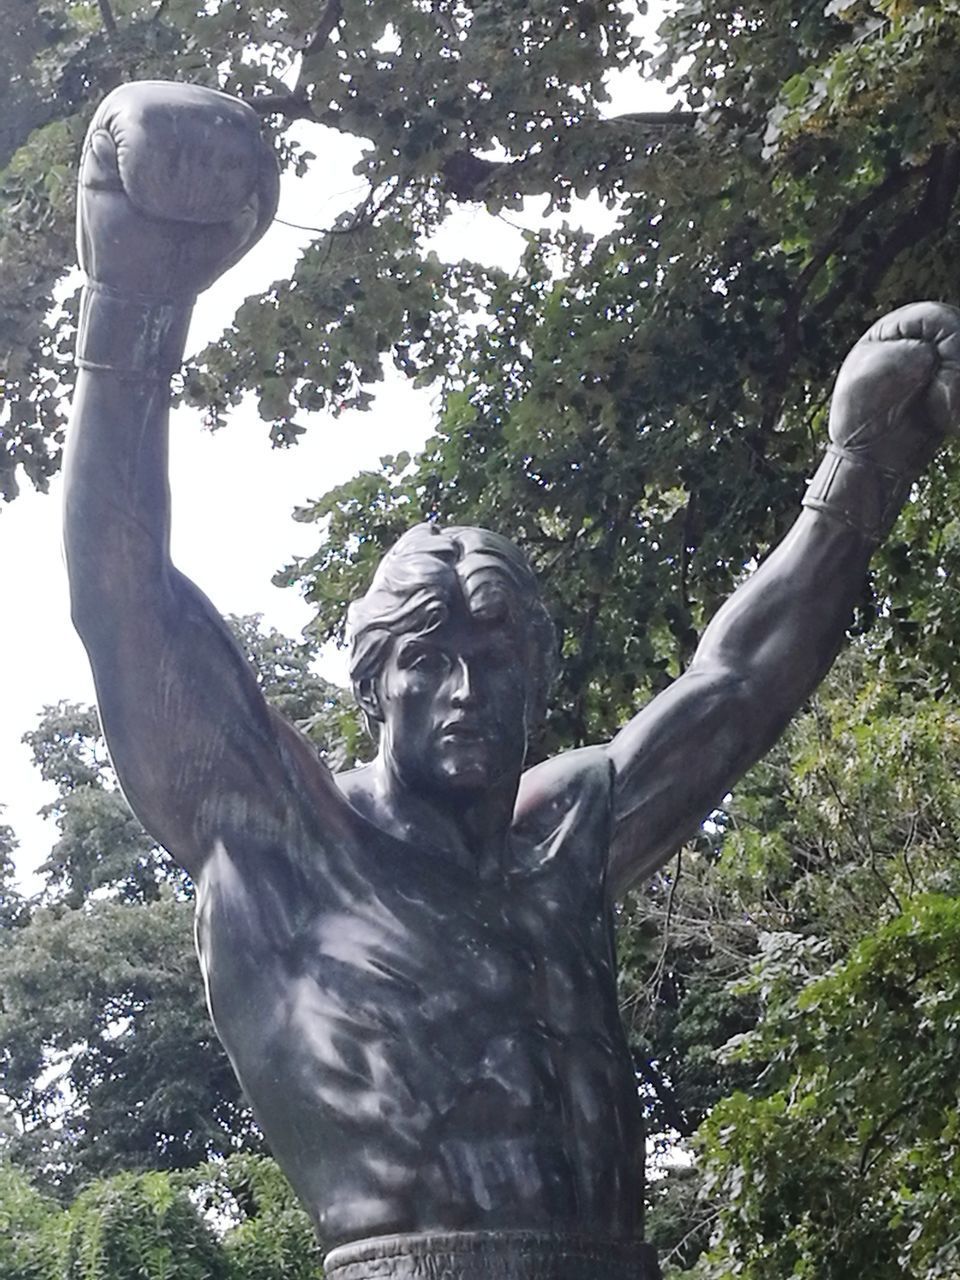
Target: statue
{"points": [[411, 965]]}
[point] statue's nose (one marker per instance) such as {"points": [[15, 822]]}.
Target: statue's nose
{"points": [[464, 684]]}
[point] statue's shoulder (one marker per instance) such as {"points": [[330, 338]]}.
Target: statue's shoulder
{"points": [[564, 777], [565, 804]]}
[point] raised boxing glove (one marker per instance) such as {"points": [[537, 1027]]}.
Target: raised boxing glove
{"points": [[176, 184], [896, 398]]}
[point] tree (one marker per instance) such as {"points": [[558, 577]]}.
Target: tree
{"points": [[410, 76], [231, 1221], [799, 166], [12, 905], [817, 913], [848, 1161], [109, 1060], [27, 1244], [138, 1227], [270, 1236], [644, 404]]}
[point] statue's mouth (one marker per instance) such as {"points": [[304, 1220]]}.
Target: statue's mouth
{"points": [[463, 731]]}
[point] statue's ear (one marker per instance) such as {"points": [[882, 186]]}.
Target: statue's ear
{"points": [[368, 699]]}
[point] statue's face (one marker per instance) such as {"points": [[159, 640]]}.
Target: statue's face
{"points": [[453, 707]]}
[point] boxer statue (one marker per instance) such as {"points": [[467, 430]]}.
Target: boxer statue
{"points": [[411, 965]]}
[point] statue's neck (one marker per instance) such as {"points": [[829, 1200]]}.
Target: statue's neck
{"points": [[469, 828]]}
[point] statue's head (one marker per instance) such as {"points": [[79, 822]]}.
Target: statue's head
{"points": [[452, 654]]}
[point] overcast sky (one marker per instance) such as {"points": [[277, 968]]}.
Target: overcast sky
{"points": [[232, 494]]}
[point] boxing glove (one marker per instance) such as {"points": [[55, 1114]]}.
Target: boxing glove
{"points": [[176, 184], [896, 398]]}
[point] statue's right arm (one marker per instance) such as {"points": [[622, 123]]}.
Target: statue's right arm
{"points": [[199, 754]]}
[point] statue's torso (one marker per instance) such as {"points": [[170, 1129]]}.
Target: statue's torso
{"points": [[425, 1049]]}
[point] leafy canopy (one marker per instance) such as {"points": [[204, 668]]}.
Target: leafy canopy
{"points": [[237, 1220], [636, 407]]}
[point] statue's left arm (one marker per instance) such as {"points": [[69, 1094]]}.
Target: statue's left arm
{"points": [[896, 398]]}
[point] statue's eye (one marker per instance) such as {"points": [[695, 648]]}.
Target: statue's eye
{"points": [[430, 660], [423, 658]]}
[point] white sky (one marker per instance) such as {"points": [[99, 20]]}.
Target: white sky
{"points": [[232, 494]]}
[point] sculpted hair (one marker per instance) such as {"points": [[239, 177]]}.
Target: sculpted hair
{"points": [[418, 582]]}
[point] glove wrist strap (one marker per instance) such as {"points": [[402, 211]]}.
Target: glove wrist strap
{"points": [[862, 496], [132, 337]]}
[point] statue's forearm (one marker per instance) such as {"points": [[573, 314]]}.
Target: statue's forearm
{"points": [[117, 506], [779, 632], [895, 400]]}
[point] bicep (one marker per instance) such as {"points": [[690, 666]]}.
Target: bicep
{"points": [[190, 734]]}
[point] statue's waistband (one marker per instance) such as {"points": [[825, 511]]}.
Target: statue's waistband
{"points": [[492, 1255]]}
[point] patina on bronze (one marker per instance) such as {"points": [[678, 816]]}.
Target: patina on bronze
{"points": [[411, 965]]}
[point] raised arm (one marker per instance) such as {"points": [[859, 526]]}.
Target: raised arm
{"points": [[175, 185], [897, 396]]}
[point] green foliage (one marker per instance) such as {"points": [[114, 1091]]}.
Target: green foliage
{"points": [[425, 86], [271, 1237], [138, 1227], [745, 251], [679, 1218], [28, 1247], [108, 1057], [101, 844], [643, 406], [849, 1161], [234, 1220], [12, 905], [326, 714], [820, 912]]}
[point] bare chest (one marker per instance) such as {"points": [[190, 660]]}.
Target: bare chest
{"points": [[424, 1041]]}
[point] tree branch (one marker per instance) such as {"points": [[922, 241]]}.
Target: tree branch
{"points": [[329, 19], [295, 105], [466, 175], [363, 216], [916, 223], [659, 119], [848, 223], [291, 105], [942, 171], [106, 14], [878, 1133], [687, 544]]}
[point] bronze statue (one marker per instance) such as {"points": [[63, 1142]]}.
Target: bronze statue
{"points": [[411, 965]]}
